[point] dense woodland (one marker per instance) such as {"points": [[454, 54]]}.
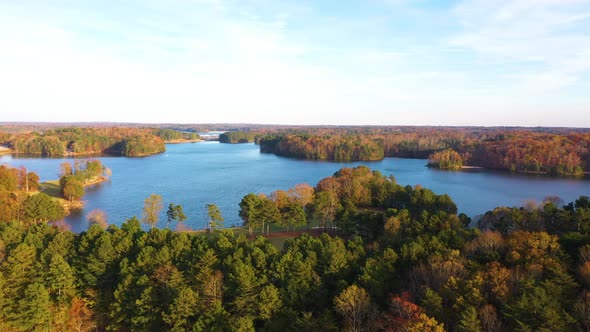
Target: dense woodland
{"points": [[132, 142], [237, 137], [170, 135], [392, 258], [334, 147], [555, 152]]}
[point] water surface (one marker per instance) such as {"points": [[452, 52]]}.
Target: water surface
{"points": [[210, 172]]}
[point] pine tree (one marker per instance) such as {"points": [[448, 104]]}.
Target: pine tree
{"points": [[469, 322], [61, 280], [34, 308], [215, 218], [183, 311]]}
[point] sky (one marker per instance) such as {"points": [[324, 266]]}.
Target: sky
{"points": [[370, 62]]}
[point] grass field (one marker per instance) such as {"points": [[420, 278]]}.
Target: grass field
{"points": [[50, 188]]}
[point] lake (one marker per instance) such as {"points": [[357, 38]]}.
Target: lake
{"points": [[210, 172]]}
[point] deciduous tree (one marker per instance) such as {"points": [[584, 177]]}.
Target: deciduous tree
{"points": [[151, 209], [354, 305]]}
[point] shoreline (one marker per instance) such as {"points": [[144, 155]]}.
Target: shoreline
{"points": [[5, 150], [182, 141], [51, 188], [472, 167], [92, 182]]}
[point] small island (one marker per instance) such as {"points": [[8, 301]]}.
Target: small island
{"points": [[446, 159]]}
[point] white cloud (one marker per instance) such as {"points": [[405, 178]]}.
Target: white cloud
{"points": [[545, 34], [268, 62]]}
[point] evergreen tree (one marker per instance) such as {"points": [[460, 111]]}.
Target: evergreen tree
{"points": [[469, 322], [60, 280], [34, 313], [215, 221], [175, 213]]}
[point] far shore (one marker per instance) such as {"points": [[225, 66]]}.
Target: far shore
{"points": [[69, 153], [180, 141]]}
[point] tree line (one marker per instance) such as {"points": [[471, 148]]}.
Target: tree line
{"points": [[335, 148], [558, 152], [175, 135], [401, 260], [237, 137], [131, 142]]}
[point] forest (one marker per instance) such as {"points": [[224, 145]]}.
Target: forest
{"points": [[56, 142], [380, 256], [551, 151], [335, 147], [234, 137], [542, 150]]}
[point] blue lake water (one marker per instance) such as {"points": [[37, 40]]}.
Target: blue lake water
{"points": [[210, 172]]}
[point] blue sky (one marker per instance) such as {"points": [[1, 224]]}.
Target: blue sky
{"points": [[379, 62]]}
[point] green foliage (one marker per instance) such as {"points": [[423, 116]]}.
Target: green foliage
{"points": [[536, 310], [73, 179], [175, 135], [42, 208], [46, 145], [292, 215], [72, 188], [140, 146], [249, 211], [120, 141], [61, 280], [34, 310], [392, 247], [175, 213], [237, 137], [215, 221], [337, 148], [469, 321]]}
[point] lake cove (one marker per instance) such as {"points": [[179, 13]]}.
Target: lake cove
{"points": [[194, 175]]}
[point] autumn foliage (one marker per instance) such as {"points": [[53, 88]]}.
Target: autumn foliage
{"points": [[546, 151], [133, 142]]}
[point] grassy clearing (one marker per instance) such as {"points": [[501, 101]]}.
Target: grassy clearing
{"points": [[50, 188]]}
